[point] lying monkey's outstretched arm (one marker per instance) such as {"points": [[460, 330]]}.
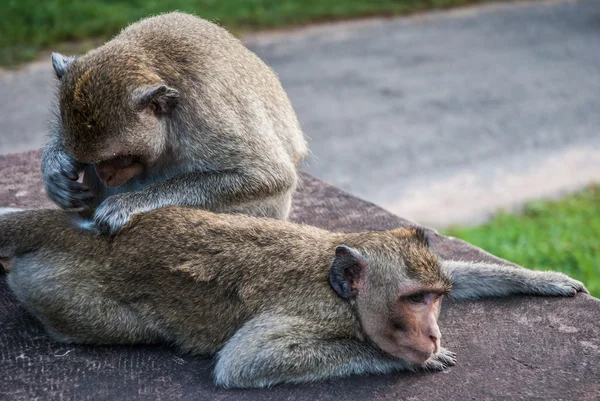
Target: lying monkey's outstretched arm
{"points": [[476, 280], [273, 348]]}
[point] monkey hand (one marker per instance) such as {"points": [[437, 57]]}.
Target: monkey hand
{"points": [[441, 360], [114, 213], [60, 181]]}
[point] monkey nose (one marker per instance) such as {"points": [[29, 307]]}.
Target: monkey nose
{"points": [[436, 343], [435, 335]]}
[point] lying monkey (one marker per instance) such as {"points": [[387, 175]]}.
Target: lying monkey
{"points": [[275, 301]]}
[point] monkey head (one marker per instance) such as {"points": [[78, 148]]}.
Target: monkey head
{"points": [[112, 111], [396, 284]]}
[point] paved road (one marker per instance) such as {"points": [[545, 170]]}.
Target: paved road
{"points": [[442, 118]]}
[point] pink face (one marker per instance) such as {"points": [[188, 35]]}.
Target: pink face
{"points": [[117, 171], [121, 146], [397, 305], [410, 330]]}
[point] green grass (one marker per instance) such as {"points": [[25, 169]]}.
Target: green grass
{"points": [[28, 27], [561, 235]]}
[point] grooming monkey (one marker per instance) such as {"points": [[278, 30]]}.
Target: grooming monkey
{"points": [[172, 111], [275, 301]]}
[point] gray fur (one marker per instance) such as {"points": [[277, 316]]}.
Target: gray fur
{"points": [[473, 280], [255, 292], [276, 348], [60, 172], [61, 64], [227, 138]]}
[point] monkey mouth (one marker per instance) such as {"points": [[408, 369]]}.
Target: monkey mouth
{"points": [[415, 355], [5, 264], [118, 170]]}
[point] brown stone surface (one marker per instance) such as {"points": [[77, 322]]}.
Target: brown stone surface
{"points": [[508, 349]]}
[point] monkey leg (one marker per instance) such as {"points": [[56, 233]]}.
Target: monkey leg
{"points": [[483, 280], [60, 291], [272, 348]]}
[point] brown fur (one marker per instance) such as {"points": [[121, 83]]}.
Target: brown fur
{"points": [[205, 121], [278, 302], [176, 266]]}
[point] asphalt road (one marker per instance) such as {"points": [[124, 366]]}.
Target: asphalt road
{"points": [[442, 118]]}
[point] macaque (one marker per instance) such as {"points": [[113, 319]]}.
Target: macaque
{"points": [[174, 111], [275, 302]]}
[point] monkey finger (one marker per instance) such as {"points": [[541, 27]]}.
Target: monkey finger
{"points": [[60, 182], [56, 192], [67, 199], [60, 198], [440, 361], [84, 196], [71, 175], [79, 200], [104, 229], [70, 186], [110, 220], [75, 186], [68, 189], [447, 357]]}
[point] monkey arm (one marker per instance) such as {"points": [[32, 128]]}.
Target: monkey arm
{"points": [[55, 153], [218, 190], [272, 348], [247, 192], [476, 280], [60, 172]]}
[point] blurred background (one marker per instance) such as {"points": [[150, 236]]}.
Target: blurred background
{"points": [[480, 119]]}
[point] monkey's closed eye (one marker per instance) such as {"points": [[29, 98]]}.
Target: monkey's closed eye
{"points": [[398, 325], [417, 298]]}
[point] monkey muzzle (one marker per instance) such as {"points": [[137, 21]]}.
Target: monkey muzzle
{"points": [[118, 170]]}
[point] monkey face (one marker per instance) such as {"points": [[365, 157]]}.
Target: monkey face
{"points": [[400, 301], [119, 170], [118, 153], [112, 115], [397, 287], [407, 329], [138, 149]]}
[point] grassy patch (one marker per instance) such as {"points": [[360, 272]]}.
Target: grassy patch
{"points": [[30, 26], [561, 235]]}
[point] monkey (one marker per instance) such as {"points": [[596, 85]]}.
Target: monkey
{"points": [[172, 111], [274, 301]]}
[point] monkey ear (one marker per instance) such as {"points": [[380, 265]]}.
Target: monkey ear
{"points": [[421, 236], [415, 233], [160, 99], [61, 64], [347, 269]]}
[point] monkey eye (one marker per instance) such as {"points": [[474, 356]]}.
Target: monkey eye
{"points": [[91, 123], [397, 325], [417, 298]]}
